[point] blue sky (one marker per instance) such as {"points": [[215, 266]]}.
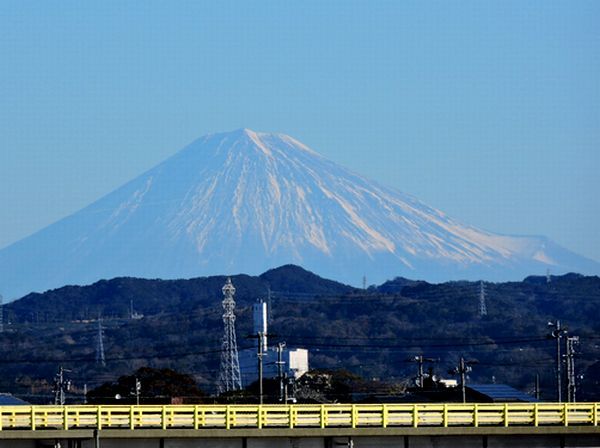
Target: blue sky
{"points": [[489, 111]]}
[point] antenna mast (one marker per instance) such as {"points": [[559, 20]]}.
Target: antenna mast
{"points": [[229, 372]]}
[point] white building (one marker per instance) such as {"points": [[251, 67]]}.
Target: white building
{"points": [[295, 360], [295, 363]]}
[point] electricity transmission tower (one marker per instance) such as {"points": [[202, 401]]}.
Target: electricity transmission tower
{"points": [[482, 306], [229, 372], [100, 359]]}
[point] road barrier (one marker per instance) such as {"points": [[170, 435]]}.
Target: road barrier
{"points": [[297, 416]]}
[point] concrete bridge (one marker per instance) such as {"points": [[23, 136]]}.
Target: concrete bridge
{"points": [[482, 425]]}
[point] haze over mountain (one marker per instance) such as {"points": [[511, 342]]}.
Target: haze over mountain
{"points": [[245, 202]]}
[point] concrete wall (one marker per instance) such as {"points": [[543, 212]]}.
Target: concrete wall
{"points": [[537, 441]]}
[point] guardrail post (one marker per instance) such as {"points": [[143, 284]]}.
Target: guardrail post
{"points": [[99, 417], [32, 418], [353, 416], [196, 422], [415, 416], [323, 416], [384, 416], [0, 418], [291, 416], [476, 415], [566, 414], [445, 415], [131, 418], [164, 417], [505, 414], [65, 418], [536, 416], [595, 414]]}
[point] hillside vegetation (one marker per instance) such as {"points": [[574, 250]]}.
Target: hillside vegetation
{"points": [[372, 333]]}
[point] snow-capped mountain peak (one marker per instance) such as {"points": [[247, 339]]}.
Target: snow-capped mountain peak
{"points": [[247, 201]]}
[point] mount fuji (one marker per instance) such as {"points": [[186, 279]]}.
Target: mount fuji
{"points": [[245, 201]]}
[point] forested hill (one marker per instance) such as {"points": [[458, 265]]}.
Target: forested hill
{"points": [[373, 333], [114, 298]]}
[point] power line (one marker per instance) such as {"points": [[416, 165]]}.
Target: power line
{"points": [[91, 359], [468, 344], [376, 347]]}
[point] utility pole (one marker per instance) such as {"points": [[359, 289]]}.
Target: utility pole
{"points": [[280, 362], [85, 393], [537, 386], [482, 305], [259, 355], [572, 342], [420, 360], [290, 382], [463, 368], [137, 390], [558, 334], [61, 386]]}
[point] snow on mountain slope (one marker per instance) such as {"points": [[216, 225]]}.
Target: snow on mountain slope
{"points": [[245, 202]]}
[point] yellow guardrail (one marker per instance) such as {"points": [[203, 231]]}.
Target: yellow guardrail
{"points": [[297, 416]]}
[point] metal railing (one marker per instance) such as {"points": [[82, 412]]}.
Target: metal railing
{"points": [[296, 416]]}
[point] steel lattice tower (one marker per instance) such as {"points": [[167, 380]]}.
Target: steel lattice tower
{"points": [[482, 306], [229, 373], [100, 359]]}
